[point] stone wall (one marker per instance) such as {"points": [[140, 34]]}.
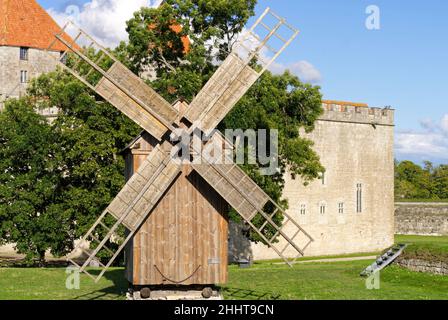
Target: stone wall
{"points": [[421, 218], [356, 147], [10, 67], [424, 266]]}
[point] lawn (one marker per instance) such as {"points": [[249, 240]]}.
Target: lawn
{"points": [[265, 280], [49, 284], [425, 247]]}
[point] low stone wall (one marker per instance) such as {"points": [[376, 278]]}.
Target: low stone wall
{"points": [[421, 218], [424, 266]]}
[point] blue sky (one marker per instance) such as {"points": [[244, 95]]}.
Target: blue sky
{"points": [[403, 65]]}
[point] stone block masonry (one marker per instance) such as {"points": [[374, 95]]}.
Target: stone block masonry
{"points": [[421, 218], [11, 66], [418, 265]]}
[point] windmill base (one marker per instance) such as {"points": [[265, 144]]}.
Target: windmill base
{"points": [[174, 293]]}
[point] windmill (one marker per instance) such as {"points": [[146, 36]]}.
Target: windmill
{"points": [[99, 70]]}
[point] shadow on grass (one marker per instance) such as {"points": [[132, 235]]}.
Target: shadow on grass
{"points": [[115, 291], [238, 293]]}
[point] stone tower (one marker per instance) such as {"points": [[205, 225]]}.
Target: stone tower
{"points": [[26, 30], [351, 209]]}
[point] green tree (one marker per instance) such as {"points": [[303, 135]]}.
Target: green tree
{"points": [[412, 181], [90, 135], [440, 186], [28, 182], [57, 178]]}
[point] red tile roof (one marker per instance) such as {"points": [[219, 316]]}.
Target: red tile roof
{"points": [[24, 23], [177, 29]]}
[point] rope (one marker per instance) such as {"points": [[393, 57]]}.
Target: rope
{"points": [[177, 282]]}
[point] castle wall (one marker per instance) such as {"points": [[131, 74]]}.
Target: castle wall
{"points": [[10, 66], [356, 147], [421, 218]]}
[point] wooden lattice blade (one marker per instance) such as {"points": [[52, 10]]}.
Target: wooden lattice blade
{"points": [[130, 108], [249, 200], [145, 188], [235, 77], [221, 93], [96, 67], [127, 81], [237, 200], [135, 201]]}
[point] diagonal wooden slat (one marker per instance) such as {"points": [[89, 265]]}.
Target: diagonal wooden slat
{"points": [[137, 199], [122, 88], [235, 77], [249, 200]]}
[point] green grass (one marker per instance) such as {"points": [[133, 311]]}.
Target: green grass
{"points": [[265, 280], [49, 284], [328, 281], [336, 280], [425, 247]]}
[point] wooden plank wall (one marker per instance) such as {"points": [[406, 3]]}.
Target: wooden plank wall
{"points": [[186, 236]]}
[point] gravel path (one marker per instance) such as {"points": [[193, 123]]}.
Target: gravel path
{"points": [[334, 260]]}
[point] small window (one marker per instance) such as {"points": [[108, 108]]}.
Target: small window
{"points": [[322, 208], [359, 198], [23, 76], [63, 57], [303, 209], [324, 179], [23, 53], [341, 207]]}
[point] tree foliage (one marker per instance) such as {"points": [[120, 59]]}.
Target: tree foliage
{"points": [[28, 182], [415, 182], [74, 168]]}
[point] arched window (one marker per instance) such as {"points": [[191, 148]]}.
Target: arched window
{"points": [[359, 198], [341, 207], [322, 208]]}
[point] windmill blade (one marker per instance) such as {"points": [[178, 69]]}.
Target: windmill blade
{"points": [[104, 74], [250, 201], [133, 204], [235, 77]]}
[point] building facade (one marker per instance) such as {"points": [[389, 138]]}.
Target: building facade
{"points": [[351, 209], [26, 31]]}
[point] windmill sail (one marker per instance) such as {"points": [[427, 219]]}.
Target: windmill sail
{"points": [[235, 77], [249, 200], [134, 202], [104, 74]]}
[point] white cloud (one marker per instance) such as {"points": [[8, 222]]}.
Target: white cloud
{"points": [[105, 20], [444, 124], [429, 144], [303, 69], [306, 71]]}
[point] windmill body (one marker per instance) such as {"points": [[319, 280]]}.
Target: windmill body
{"points": [[183, 245], [184, 241]]}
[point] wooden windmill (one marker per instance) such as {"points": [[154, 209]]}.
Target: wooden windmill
{"points": [[158, 171]]}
